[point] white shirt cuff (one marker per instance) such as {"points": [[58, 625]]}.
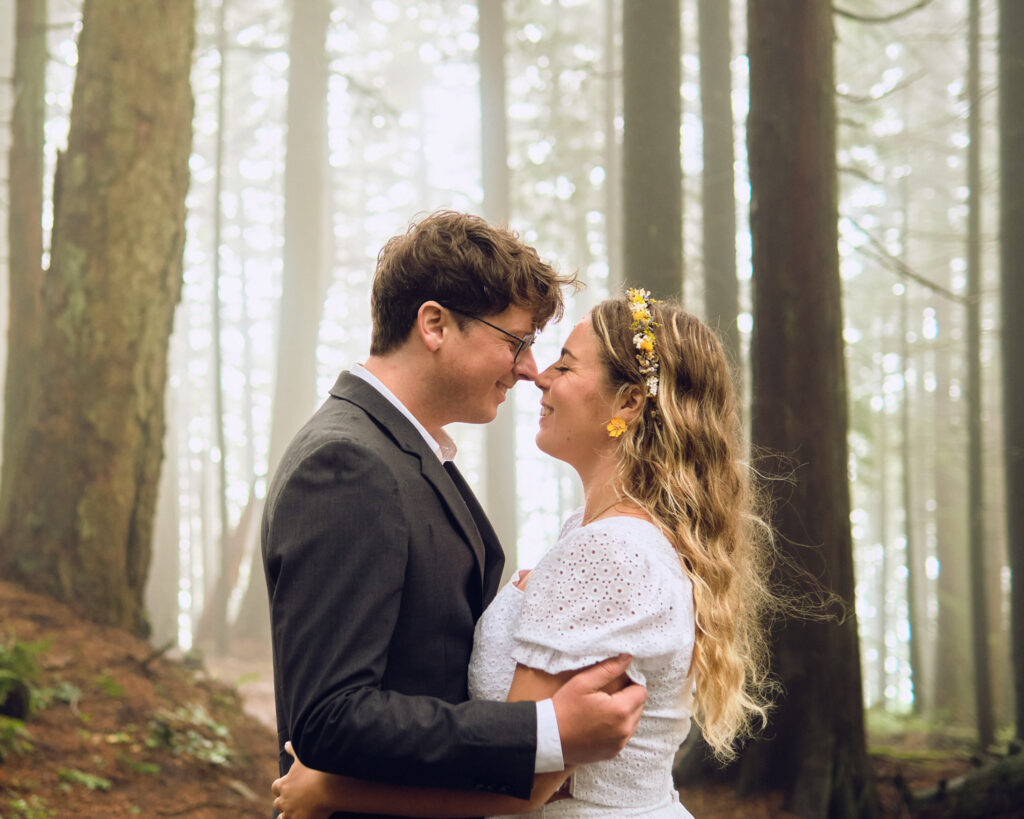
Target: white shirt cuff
{"points": [[549, 742]]}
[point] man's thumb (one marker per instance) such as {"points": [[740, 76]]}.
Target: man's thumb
{"points": [[607, 670]]}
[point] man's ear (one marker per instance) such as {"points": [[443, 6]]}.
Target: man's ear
{"points": [[432, 323], [630, 403]]}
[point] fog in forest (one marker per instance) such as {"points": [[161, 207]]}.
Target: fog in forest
{"points": [[321, 129]]}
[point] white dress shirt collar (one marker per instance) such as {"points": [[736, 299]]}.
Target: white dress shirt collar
{"points": [[444, 447]]}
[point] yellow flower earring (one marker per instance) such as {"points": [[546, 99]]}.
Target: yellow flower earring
{"points": [[616, 427]]}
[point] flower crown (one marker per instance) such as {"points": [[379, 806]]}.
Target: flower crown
{"points": [[643, 325]]}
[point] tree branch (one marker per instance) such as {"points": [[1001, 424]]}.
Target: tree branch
{"points": [[888, 18], [901, 268], [864, 99], [858, 173]]}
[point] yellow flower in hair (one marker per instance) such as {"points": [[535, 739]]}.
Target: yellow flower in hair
{"points": [[616, 427], [644, 340]]}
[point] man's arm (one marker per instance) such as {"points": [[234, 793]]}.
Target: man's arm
{"points": [[309, 794], [336, 551]]}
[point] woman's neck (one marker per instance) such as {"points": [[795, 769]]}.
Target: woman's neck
{"points": [[602, 491]]}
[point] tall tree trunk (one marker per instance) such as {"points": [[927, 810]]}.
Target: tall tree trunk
{"points": [[816, 752], [304, 275], [721, 300], [215, 612], [652, 161], [914, 564], [24, 231], [612, 148], [500, 436], [881, 448], [975, 497], [77, 522], [1011, 222], [952, 692]]}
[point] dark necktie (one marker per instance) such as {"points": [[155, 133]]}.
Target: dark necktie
{"points": [[495, 556], [467, 494]]}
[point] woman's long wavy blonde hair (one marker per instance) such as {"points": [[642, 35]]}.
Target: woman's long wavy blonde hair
{"points": [[683, 461]]}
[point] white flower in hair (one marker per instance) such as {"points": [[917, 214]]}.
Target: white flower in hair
{"points": [[643, 336]]}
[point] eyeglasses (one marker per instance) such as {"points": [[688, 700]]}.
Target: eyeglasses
{"points": [[525, 342]]}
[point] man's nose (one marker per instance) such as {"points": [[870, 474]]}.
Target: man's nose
{"points": [[525, 368]]}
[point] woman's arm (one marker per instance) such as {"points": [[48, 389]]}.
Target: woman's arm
{"points": [[304, 793]]}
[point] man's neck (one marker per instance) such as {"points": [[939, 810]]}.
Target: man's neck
{"points": [[399, 376]]}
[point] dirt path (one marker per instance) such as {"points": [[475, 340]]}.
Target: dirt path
{"points": [[253, 674]]}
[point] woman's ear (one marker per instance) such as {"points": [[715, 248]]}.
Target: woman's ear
{"points": [[432, 322], [630, 403]]}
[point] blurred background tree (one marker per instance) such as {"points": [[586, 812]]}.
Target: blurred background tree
{"points": [[321, 128]]}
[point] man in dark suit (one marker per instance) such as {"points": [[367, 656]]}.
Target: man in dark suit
{"points": [[378, 557]]}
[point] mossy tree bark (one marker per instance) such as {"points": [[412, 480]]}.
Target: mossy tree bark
{"points": [[76, 512], [815, 748]]}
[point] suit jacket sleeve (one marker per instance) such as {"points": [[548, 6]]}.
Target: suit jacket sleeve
{"points": [[336, 550]]}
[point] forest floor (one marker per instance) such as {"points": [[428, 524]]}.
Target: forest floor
{"points": [[122, 731]]}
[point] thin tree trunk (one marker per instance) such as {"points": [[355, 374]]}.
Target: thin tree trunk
{"points": [[914, 565], [500, 436], [612, 148], [882, 498], [721, 288], [975, 496], [952, 693], [721, 300], [304, 272], [24, 231], [1011, 152], [305, 265], [77, 522], [216, 604], [815, 749], [652, 162]]}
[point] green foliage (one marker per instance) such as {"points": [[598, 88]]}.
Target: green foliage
{"points": [[31, 807], [19, 673], [73, 776], [14, 737], [138, 765], [190, 730], [888, 735], [63, 691], [106, 683]]}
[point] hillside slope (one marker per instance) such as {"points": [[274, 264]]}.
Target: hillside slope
{"points": [[120, 731]]}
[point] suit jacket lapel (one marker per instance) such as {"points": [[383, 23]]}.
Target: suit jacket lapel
{"points": [[495, 556], [352, 388]]}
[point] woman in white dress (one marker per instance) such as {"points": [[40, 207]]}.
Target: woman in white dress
{"points": [[667, 561]]}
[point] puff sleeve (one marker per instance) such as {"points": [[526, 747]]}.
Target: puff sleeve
{"points": [[615, 586]]}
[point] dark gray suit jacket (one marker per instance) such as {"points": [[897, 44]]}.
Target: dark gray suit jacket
{"points": [[378, 567]]}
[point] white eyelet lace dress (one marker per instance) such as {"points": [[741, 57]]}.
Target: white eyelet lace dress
{"points": [[613, 586]]}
